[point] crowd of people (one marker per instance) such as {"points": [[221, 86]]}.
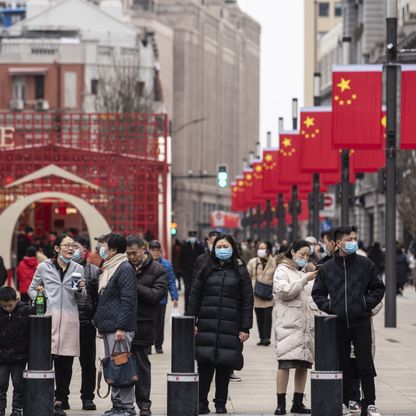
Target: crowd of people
{"points": [[123, 291]]}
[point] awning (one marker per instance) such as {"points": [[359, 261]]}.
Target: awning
{"points": [[28, 71]]}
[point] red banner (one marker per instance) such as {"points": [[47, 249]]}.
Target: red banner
{"points": [[224, 219], [270, 182], [408, 116]]}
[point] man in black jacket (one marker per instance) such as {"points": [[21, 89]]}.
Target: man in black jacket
{"points": [[151, 288], [349, 286], [203, 257]]}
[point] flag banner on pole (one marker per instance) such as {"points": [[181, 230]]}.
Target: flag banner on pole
{"points": [[408, 114], [289, 159], [317, 155], [258, 175], [356, 107], [270, 182], [240, 202], [249, 199]]}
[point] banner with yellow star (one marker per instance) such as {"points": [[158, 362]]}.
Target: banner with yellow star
{"points": [[408, 113], [356, 106], [317, 155], [270, 173], [258, 175]]}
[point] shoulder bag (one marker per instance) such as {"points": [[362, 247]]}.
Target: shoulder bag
{"points": [[262, 290]]}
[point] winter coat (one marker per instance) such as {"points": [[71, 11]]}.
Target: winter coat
{"points": [[3, 272], [14, 334], [348, 286], [189, 253], [87, 306], [171, 280], [61, 305], [402, 268], [294, 323], [378, 258], [222, 304], [263, 275], [151, 288], [25, 271], [117, 304]]}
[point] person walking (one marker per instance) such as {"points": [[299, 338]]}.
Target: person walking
{"points": [[222, 303], [54, 277], [261, 270], [189, 253], [87, 308], [116, 312], [155, 250], [151, 288], [376, 255], [176, 261], [402, 268], [294, 327], [349, 285], [212, 235], [25, 271]]}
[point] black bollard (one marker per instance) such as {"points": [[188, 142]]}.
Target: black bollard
{"points": [[39, 378], [183, 382], [326, 380]]}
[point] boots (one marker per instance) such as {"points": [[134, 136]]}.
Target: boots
{"points": [[281, 404], [298, 406]]}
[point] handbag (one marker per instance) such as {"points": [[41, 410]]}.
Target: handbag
{"points": [[262, 290], [120, 369]]}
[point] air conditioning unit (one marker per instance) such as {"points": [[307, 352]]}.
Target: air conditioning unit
{"points": [[17, 105], [42, 105]]}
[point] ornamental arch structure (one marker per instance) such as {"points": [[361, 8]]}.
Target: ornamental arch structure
{"points": [[111, 166]]}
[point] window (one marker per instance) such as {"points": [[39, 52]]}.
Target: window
{"points": [[39, 87], [324, 9], [19, 88], [140, 88], [70, 89], [94, 86], [144, 4], [338, 9]]}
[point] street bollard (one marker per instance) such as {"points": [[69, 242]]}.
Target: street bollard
{"points": [[39, 377], [183, 382], [326, 380]]}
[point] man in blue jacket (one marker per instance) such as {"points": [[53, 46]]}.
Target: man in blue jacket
{"points": [[155, 249]]}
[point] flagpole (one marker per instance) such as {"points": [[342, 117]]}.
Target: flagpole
{"points": [[390, 319], [345, 153], [281, 211], [295, 224], [268, 212]]}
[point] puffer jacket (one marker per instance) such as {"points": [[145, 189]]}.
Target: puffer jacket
{"points": [[264, 274], [294, 324], [350, 287], [25, 271], [222, 303], [14, 334], [87, 305]]}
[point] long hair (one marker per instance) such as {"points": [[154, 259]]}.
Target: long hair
{"points": [[296, 246], [58, 243]]}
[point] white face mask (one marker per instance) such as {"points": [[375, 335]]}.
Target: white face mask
{"points": [[262, 253]]}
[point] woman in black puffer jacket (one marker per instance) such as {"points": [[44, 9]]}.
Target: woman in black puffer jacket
{"points": [[222, 302]]}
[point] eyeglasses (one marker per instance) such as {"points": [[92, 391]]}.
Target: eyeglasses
{"points": [[74, 246]]}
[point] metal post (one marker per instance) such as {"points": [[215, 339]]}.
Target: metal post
{"points": [[268, 218], [295, 113], [295, 225], [281, 221], [345, 186], [316, 198], [391, 172]]}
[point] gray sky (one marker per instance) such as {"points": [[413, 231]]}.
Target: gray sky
{"points": [[281, 59]]}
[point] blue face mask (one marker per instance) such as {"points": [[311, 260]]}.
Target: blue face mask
{"points": [[77, 255], [301, 263], [102, 253], [351, 247], [64, 259], [224, 253]]}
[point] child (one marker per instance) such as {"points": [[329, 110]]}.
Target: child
{"points": [[14, 343]]}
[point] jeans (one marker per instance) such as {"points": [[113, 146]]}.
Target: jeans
{"points": [[160, 326], [63, 375], [222, 380], [16, 373], [87, 335], [143, 386], [264, 322]]}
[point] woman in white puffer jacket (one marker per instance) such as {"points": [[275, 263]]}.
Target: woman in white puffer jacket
{"points": [[294, 324]]}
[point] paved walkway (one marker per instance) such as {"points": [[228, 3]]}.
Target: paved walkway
{"points": [[255, 395]]}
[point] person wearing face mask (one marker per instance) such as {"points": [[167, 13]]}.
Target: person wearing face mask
{"points": [[190, 251], [261, 270], [54, 277], [349, 286], [328, 244], [222, 303], [212, 235], [87, 308], [294, 324]]}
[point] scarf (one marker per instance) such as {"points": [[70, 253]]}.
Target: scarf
{"points": [[110, 266]]}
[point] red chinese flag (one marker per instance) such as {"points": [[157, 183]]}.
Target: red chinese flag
{"points": [[258, 193], [408, 115], [240, 202], [249, 199], [356, 107], [289, 160], [234, 196], [270, 182], [317, 155]]}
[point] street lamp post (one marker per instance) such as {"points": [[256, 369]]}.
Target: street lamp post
{"points": [[295, 224]]}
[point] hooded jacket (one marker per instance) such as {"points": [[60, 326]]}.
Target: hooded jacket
{"points": [[25, 271]]}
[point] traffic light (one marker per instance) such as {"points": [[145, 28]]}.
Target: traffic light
{"points": [[173, 228], [222, 176]]}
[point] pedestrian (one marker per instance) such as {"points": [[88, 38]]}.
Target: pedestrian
{"points": [[176, 261], [24, 241], [328, 245], [190, 250], [402, 268], [261, 270], [155, 250], [315, 248], [212, 235], [25, 271], [151, 288], [222, 303], [294, 326], [349, 286], [376, 255], [3, 272], [87, 308], [54, 277], [48, 247], [94, 257], [14, 348], [116, 312]]}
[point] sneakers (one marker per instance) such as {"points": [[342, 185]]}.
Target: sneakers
{"points": [[16, 412], [372, 411], [88, 405], [58, 410], [345, 411], [354, 407], [234, 378]]}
